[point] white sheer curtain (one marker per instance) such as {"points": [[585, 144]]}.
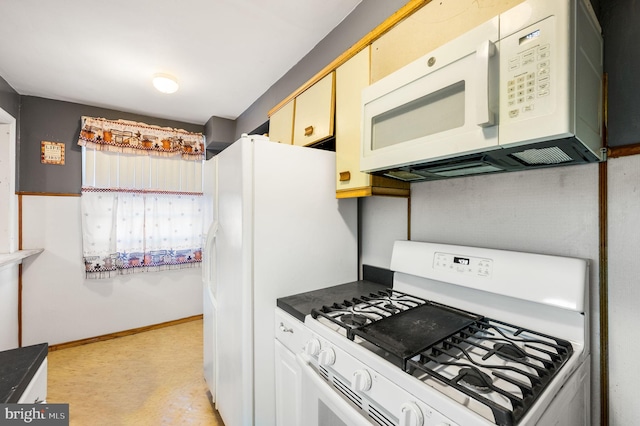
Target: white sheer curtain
{"points": [[140, 213]]}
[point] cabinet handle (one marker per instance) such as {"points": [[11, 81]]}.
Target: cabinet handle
{"points": [[345, 176], [285, 329], [308, 131]]}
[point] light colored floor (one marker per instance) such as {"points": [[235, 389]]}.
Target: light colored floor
{"points": [[150, 378]]}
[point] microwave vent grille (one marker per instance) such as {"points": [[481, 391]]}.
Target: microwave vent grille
{"points": [[551, 155]]}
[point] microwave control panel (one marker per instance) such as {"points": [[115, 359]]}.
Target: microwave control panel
{"points": [[527, 86], [461, 264]]}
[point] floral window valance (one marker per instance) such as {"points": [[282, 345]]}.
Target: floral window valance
{"points": [[130, 137], [142, 202]]}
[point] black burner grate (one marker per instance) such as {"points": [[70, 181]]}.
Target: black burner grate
{"points": [[472, 354], [535, 363]]}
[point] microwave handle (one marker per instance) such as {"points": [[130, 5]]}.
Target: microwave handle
{"points": [[484, 52]]}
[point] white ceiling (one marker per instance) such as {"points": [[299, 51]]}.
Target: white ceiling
{"points": [[225, 53]]}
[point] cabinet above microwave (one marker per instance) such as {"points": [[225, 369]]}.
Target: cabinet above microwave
{"points": [[523, 90]]}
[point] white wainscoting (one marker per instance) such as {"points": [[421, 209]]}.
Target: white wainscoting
{"points": [[60, 306], [8, 307], [383, 220], [624, 289]]}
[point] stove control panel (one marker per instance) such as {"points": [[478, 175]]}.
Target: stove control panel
{"points": [[461, 264]]}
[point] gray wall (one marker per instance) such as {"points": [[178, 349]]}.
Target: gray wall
{"points": [[218, 133], [619, 19], [57, 121], [367, 16], [622, 35], [9, 99]]}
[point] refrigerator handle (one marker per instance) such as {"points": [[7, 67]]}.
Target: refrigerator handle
{"points": [[209, 258]]}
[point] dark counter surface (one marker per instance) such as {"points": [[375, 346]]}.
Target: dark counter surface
{"points": [[17, 368], [300, 305]]}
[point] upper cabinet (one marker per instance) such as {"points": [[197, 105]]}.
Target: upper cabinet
{"points": [[351, 78], [428, 28], [314, 112], [281, 124]]}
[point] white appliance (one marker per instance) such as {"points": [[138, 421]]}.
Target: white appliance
{"points": [[523, 90], [467, 336], [278, 229], [209, 189]]}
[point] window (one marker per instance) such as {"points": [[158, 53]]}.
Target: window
{"points": [[142, 209]]}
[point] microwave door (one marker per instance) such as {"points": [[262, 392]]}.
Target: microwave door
{"points": [[439, 106]]}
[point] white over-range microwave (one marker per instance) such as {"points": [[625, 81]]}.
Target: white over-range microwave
{"points": [[523, 90]]}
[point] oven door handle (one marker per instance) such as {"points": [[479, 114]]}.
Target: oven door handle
{"points": [[348, 414]]}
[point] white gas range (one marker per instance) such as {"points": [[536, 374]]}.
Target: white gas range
{"points": [[465, 336]]}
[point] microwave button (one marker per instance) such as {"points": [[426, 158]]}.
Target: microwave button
{"points": [[514, 63], [544, 79], [543, 86], [511, 89], [512, 96], [514, 113], [543, 48], [527, 108], [528, 54], [520, 86], [531, 76], [528, 61], [531, 83], [531, 97], [521, 79], [543, 71], [521, 100], [531, 90], [543, 64], [511, 83], [512, 103], [520, 93], [542, 93], [544, 55]]}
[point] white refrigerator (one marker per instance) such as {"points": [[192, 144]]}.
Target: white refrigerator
{"points": [[277, 230]]}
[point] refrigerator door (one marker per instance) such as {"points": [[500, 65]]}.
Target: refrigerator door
{"points": [[281, 232], [209, 274], [234, 345], [209, 309], [303, 239]]}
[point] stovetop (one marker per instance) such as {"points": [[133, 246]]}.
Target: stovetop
{"points": [[497, 369]]}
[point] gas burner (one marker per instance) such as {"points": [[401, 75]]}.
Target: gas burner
{"points": [[354, 320], [509, 352], [391, 306], [475, 378]]}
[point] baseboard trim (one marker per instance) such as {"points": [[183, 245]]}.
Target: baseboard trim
{"points": [[122, 333]]}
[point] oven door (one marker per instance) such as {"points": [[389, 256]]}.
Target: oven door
{"points": [[321, 404], [441, 105]]}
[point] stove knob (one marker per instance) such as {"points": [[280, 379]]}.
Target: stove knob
{"points": [[312, 347], [411, 415], [326, 357], [361, 381]]}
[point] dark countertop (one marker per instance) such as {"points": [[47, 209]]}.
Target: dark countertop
{"points": [[300, 305], [17, 367]]}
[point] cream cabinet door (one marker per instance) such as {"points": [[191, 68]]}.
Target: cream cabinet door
{"points": [[429, 28], [281, 124], [351, 78], [314, 112]]}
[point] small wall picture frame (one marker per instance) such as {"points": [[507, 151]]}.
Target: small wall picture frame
{"points": [[52, 153]]}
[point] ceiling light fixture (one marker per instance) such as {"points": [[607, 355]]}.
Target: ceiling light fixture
{"points": [[165, 83]]}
